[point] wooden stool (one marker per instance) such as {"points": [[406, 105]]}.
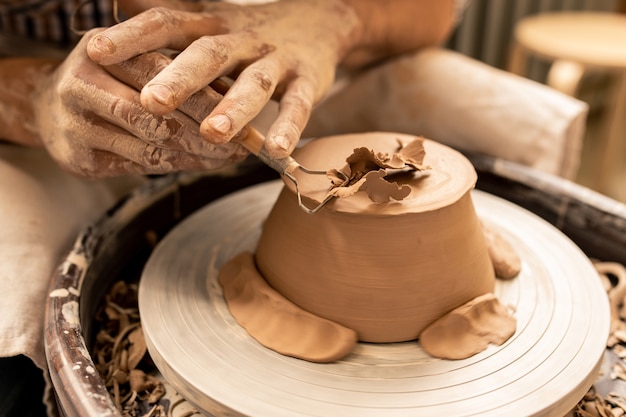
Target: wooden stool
{"points": [[576, 42]]}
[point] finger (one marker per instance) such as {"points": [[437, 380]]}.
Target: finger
{"points": [[118, 141], [138, 71], [155, 160], [198, 65], [248, 95], [119, 104], [117, 153], [154, 29], [294, 112], [104, 164]]}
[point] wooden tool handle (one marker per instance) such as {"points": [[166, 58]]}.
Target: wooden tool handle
{"points": [[254, 141]]}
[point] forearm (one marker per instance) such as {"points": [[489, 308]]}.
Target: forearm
{"points": [[397, 26], [20, 80]]}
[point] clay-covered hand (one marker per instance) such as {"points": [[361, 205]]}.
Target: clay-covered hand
{"points": [[287, 50], [93, 124]]}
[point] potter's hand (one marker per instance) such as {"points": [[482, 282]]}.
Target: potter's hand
{"points": [[287, 50], [94, 125]]}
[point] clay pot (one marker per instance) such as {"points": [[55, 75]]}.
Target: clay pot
{"points": [[385, 270]]}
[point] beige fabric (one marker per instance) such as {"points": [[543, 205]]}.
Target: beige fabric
{"points": [[42, 210], [451, 98]]}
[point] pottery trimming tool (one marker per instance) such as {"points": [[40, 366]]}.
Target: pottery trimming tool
{"points": [[253, 141]]}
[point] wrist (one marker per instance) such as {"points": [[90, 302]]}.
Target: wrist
{"points": [[336, 21], [390, 28]]}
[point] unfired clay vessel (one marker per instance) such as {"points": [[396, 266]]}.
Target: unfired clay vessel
{"points": [[385, 270]]}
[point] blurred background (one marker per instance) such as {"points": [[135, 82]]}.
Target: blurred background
{"points": [[488, 33]]}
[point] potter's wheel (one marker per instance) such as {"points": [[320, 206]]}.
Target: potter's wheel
{"points": [[545, 368]]}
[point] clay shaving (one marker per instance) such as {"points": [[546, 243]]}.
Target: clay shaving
{"points": [[368, 170], [613, 404], [120, 350], [123, 362]]}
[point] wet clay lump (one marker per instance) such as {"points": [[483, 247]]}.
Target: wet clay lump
{"points": [[277, 323], [469, 329]]}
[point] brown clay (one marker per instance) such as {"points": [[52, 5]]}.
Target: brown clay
{"points": [[506, 262], [277, 323], [469, 329]]}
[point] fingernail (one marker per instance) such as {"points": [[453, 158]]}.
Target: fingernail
{"points": [[220, 123], [161, 93], [102, 44], [281, 142]]}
